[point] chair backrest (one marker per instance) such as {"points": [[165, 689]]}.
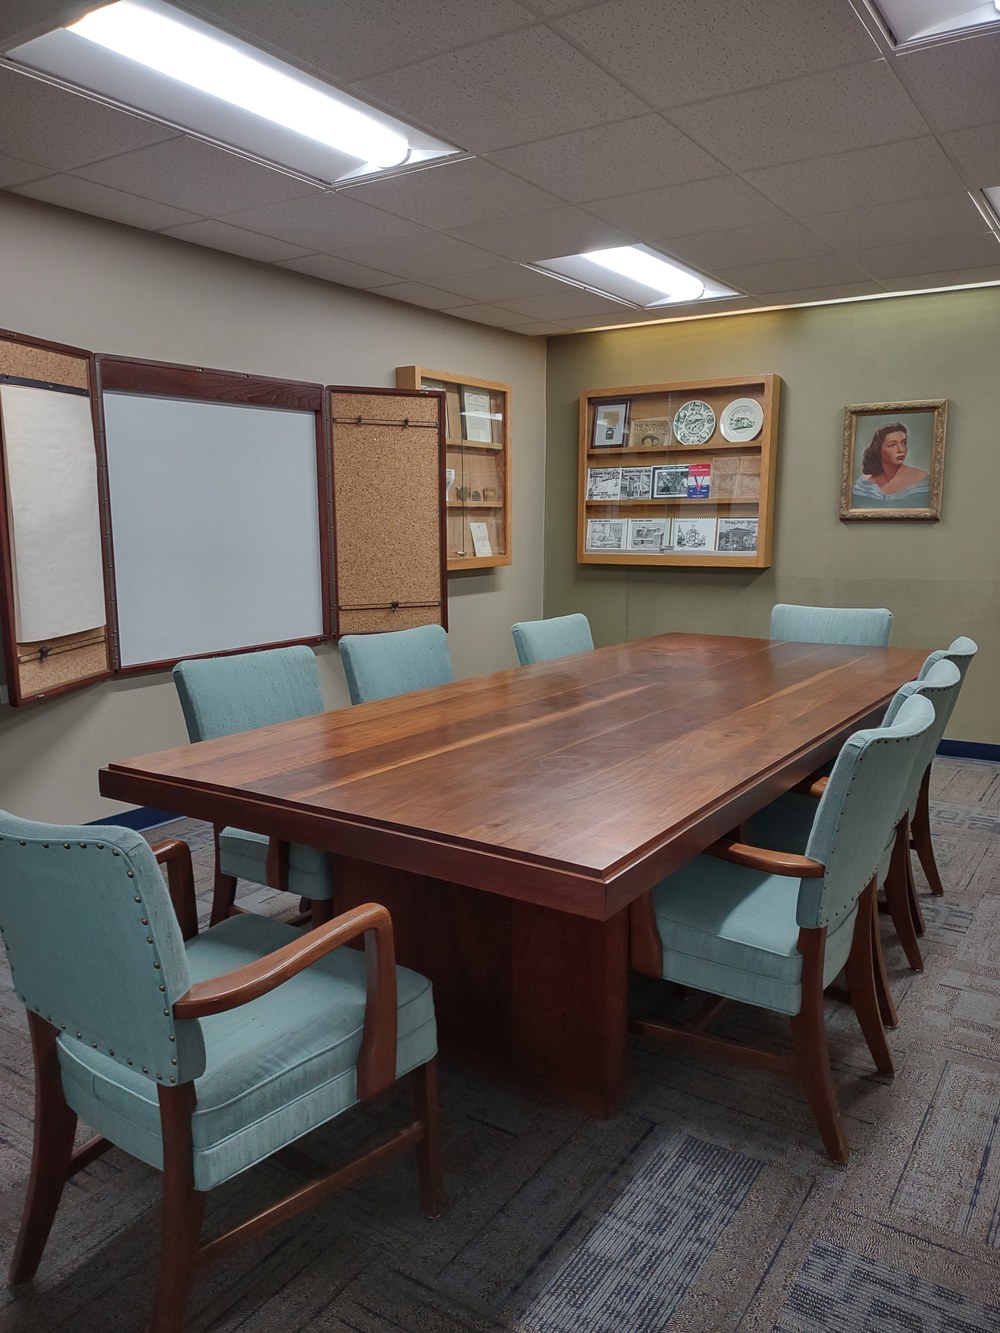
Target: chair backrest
{"points": [[858, 811], [94, 944], [378, 666], [223, 695], [559, 636], [940, 685], [961, 652], [864, 625]]}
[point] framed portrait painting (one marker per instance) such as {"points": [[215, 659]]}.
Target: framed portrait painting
{"points": [[893, 465]]}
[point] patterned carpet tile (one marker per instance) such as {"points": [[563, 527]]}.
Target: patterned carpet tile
{"points": [[633, 1261], [838, 1291]]}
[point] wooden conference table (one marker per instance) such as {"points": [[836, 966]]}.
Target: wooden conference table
{"points": [[508, 821]]}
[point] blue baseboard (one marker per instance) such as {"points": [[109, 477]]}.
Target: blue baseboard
{"points": [[970, 750], [146, 816]]}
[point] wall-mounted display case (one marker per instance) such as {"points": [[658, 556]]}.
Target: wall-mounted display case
{"points": [[477, 464], [679, 474]]}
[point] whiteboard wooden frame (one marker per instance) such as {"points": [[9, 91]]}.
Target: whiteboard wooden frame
{"points": [[159, 380]]}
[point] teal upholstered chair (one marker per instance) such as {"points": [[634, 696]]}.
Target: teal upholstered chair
{"points": [[223, 695], [865, 625], [734, 924], [961, 652], [559, 636], [199, 1054], [378, 666], [786, 822]]}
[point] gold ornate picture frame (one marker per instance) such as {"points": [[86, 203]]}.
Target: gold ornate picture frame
{"points": [[893, 464]]}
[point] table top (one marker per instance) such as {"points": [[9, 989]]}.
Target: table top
{"points": [[575, 784]]}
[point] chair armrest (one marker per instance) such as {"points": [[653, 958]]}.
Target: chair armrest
{"points": [[763, 858], [812, 785], [176, 856], [377, 1057]]}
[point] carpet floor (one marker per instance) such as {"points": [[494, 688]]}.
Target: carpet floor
{"points": [[707, 1204]]}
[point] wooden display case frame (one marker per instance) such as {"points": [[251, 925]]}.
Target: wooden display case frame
{"points": [[462, 454], [647, 401]]}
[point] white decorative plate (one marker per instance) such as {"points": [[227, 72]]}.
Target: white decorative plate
{"points": [[741, 420], [694, 422]]}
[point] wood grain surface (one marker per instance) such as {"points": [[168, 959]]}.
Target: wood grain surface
{"points": [[574, 784]]}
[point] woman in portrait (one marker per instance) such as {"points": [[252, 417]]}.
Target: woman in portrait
{"points": [[886, 478]]}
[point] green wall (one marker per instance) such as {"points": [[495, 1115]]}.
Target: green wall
{"points": [[939, 579]]}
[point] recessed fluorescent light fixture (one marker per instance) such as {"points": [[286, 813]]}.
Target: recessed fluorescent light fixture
{"points": [[636, 275], [151, 58], [926, 20]]}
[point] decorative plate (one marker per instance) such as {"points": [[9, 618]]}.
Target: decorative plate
{"points": [[741, 420], [694, 422]]}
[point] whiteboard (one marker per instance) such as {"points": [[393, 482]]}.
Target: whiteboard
{"points": [[215, 523], [54, 516]]}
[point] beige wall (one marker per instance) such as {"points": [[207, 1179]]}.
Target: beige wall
{"points": [[109, 288], [939, 579]]}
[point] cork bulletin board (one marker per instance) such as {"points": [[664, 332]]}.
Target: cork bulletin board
{"points": [[53, 610], [387, 450]]}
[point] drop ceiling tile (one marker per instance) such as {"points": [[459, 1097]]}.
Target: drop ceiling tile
{"points": [[921, 282], [63, 130], [567, 303], [848, 291], [323, 221], [860, 179], [343, 271], [825, 113], [934, 255], [453, 194], [978, 152], [958, 82], [506, 282], [234, 240], [103, 202], [487, 314], [780, 239], [545, 235], [682, 210], [15, 172], [196, 176], [505, 91], [21, 20], [786, 274], [677, 53], [885, 224], [610, 159], [338, 39], [419, 293], [537, 329], [421, 254]]}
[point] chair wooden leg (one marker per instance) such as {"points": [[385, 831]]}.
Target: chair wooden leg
{"points": [[860, 974], [911, 889], [920, 832], [426, 1108], [224, 890], [886, 1004], [55, 1127], [183, 1208], [320, 910], [812, 1056], [897, 895]]}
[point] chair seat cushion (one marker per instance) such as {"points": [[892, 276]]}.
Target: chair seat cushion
{"points": [[244, 855], [276, 1067], [732, 931]]}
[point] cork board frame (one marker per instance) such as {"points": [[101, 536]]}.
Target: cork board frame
{"points": [[36, 669], [244, 607], [387, 465]]}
